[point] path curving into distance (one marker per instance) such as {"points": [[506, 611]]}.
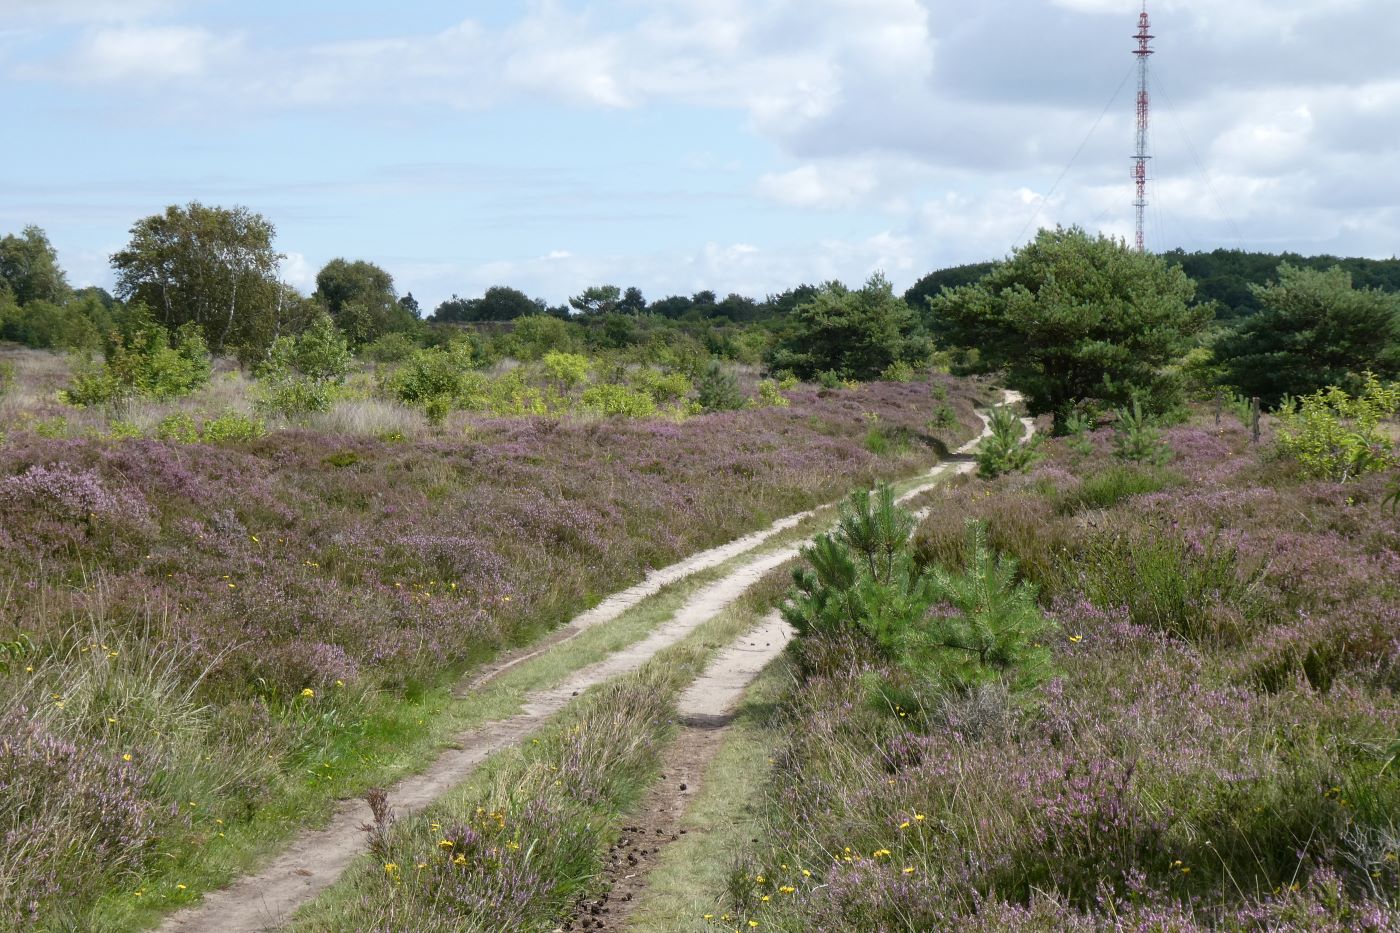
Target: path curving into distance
{"points": [[315, 859]]}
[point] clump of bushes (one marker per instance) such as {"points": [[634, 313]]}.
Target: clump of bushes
{"points": [[145, 362], [304, 374], [1337, 436]]}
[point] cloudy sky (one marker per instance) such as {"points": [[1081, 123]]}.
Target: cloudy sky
{"points": [[739, 145]]}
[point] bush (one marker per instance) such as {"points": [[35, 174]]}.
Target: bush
{"points": [[390, 348], [233, 426], [899, 371], [1336, 436], [1136, 437], [144, 364], [951, 629], [179, 427], [615, 400], [770, 396], [435, 378], [1106, 488], [568, 369], [944, 419], [303, 374], [664, 387], [717, 389], [1190, 589], [1004, 451]]}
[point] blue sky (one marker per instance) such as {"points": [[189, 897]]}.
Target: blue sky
{"points": [[687, 144]]}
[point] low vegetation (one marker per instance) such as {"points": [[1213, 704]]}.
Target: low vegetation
{"points": [[1205, 742]]}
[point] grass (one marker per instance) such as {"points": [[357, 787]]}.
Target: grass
{"points": [[693, 877], [535, 819], [397, 738]]}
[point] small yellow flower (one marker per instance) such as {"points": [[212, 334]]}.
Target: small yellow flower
{"points": [[179, 887], [787, 889], [126, 757], [1076, 639], [753, 923], [233, 586], [308, 693], [446, 844], [765, 898], [904, 825], [390, 868], [340, 683], [806, 873], [909, 870]]}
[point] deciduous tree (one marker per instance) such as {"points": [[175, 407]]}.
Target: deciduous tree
{"points": [[210, 266]]}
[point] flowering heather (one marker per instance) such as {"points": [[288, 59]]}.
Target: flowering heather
{"points": [[1213, 752], [291, 580]]}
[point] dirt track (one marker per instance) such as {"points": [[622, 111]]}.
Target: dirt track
{"points": [[316, 859]]}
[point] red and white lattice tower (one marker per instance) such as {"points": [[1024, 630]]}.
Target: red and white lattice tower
{"points": [[1144, 112]]}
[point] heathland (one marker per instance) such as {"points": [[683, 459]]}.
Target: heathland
{"points": [[1127, 661]]}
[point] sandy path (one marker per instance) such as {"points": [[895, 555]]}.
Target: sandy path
{"points": [[705, 711], [314, 860]]}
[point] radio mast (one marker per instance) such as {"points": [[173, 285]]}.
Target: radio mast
{"points": [[1144, 111]]}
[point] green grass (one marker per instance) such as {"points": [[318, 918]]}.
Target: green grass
{"points": [[609, 742], [693, 875]]}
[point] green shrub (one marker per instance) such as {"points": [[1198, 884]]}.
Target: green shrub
{"points": [[1004, 451], [664, 387], [829, 379], [390, 348], [232, 426], [615, 400], [1336, 436], [144, 363], [303, 374], [567, 369], [51, 428], [951, 629], [944, 419], [122, 431], [717, 389], [1106, 488], [434, 373], [179, 427], [899, 371], [1195, 591], [292, 397], [771, 396], [1137, 437]]}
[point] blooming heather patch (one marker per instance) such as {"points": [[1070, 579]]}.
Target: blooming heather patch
{"points": [[299, 579], [1213, 751]]}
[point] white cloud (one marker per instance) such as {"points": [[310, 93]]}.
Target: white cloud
{"points": [[141, 53]]}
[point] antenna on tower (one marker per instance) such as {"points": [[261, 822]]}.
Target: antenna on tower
{"points": [[1144, 111]]}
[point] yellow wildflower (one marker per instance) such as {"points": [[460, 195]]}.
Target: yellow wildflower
{"points": [[308, 692]]}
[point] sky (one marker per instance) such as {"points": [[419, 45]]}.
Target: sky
{"points": [[679, 145]]}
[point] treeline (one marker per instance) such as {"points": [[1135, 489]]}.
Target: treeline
{"points": [[1070, 317]]}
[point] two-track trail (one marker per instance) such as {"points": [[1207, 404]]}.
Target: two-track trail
{"points": [[315, 859]]}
